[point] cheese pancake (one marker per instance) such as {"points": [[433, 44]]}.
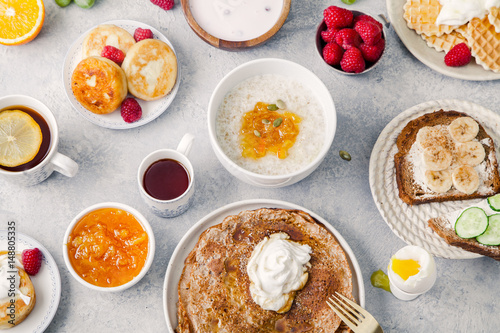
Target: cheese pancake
{"points": [[151, 69], [214, 293], [106, 34], [99, 84]]}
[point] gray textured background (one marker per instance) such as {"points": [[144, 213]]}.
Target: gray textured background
{"points": [[465, 296]]}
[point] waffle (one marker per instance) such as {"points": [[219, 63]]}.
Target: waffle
{"points": [[484, 42], [494, 18], [421, 15], [444, 42]]}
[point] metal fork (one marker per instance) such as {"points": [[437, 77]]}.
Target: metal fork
{"points": [[357, 318]]}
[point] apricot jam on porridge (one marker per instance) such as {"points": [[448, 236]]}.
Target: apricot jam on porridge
{"points": [[265, 130], [108, 247]]}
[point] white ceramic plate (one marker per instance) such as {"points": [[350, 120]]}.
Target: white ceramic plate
{"points": [[410, 222], [150, 109], [429, 56], [47, 285], [188, 242]]}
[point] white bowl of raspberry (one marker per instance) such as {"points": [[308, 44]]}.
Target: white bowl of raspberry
{"points": [[350, 42]]}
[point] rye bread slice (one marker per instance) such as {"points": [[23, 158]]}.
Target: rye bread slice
{"points": [[413, 192], [443, 227]]}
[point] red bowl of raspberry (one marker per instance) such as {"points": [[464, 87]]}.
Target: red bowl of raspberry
{"points": [[349, 41]]}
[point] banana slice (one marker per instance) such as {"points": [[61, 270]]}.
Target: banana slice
{"points": [[465, 179], [463, 129], [429, 136], [470, 153], [437, 158], [438, 181]]}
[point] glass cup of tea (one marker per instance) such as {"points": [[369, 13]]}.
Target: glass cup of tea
{"points": [[166, 179], [47, 159]]}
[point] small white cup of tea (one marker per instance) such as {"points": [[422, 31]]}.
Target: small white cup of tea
{"points": [[48, 159], [166, 179]]}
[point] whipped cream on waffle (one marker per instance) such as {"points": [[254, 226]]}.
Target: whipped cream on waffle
{"points": [[458, 12]]}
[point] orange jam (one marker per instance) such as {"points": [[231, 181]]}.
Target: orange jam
{"points": [[108, 247], [265, 131]]}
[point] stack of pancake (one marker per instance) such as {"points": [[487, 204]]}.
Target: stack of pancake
{"points": [[149, 71]]}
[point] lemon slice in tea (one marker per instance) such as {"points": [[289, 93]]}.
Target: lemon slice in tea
{"points": [[20, 138]]}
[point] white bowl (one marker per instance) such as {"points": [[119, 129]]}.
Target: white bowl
{"points": [[139, 217], [279, 67]]}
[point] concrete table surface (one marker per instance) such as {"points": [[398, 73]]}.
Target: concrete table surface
{"points": [[465, 296]]}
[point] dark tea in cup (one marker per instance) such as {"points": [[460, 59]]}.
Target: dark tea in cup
{"points": [[45, 145], [166, 179]]}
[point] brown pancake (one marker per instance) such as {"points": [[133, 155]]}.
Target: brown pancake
{"points": [[214, 293], [106, 34]]}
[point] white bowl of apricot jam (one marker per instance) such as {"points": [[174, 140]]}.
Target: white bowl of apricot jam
{"points": [[271, 122], [109, 247]]}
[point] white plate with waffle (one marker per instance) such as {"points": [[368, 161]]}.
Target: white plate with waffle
{"points": [[47, 283], [410, 222], [429, 56], [150, 109]]}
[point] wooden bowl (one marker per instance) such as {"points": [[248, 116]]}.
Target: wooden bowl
{"points": [[234, 45]]}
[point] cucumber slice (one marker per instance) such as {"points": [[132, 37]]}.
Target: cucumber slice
{"points": [[471, 223], [494, 202], [492, 234]]}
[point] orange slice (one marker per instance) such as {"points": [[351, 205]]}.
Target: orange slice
{"points": [[20, 20]]}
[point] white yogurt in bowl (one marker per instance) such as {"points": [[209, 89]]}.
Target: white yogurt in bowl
{"points": [[267, 80], [236, 20]]}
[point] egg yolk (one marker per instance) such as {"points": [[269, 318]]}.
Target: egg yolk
{"points": [[264, 131], [405, 268]]}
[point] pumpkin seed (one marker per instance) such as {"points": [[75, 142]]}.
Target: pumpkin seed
{"points": [[277, 122], [280, 104], [272, 107], [345, 155], [265, 121], [257, 133]]}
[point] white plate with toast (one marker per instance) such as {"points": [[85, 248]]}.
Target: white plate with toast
{"points": [[188, 242], [410, 222], [150, 109], [47, 284], [429, 56]]}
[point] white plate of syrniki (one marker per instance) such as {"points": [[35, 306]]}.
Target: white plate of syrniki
{"points": [[78, 69]]}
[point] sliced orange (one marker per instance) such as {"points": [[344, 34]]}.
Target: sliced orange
{"points": [[20, 20]]}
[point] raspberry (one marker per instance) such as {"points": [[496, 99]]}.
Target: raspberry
{"points": [[372, 53], [370, 33], [336, 17], [332, 53], [459, 55], [367, 18], [131, 110], [164, 4], [32, 260], [352, 61], [347, 38], [140, 34], [329, 35], [114, 54]]}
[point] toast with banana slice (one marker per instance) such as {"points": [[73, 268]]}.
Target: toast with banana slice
{"points": [[445, 156]]}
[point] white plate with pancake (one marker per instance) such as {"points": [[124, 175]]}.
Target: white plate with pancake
{"points": [[150, 109], [188, 242], [47, 283], [429, 56], [410, 222]]}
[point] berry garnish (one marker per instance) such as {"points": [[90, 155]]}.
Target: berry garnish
{"points": [[372, 53], [141, 34], [332, 53], [370, 33], [347, 38], [32, 260], [459, 55], [336, 17], [131, 110], [367, 18], [164, 4], [352, 61], [114, 54]]}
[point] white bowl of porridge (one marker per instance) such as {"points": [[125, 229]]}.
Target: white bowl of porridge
{"points": [[271, 122]]}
